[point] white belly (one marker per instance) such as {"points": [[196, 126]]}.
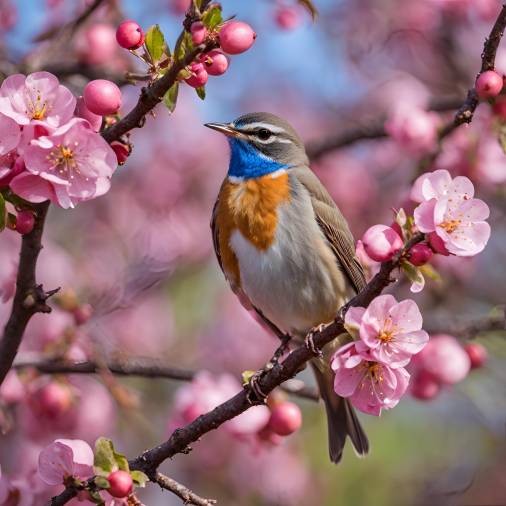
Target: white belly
{"points": [[296, 283]]}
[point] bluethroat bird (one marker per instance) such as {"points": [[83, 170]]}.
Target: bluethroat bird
{"points": [[285, 248]]}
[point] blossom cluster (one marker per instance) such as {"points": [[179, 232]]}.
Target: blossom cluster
{"points": [[47, 152], [370, 371]]}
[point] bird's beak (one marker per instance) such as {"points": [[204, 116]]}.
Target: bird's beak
{"points": [[225, 128]]}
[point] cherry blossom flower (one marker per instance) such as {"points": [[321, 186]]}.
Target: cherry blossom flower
{"points": [[369, 385], [413, 128], [70, 165], [391, 330], [449, 209], [38, 96], [206, 392], [444, 359], [64, 458], [10, 134]]}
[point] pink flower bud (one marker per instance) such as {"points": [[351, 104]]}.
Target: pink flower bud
{"points": [[122, 151], [82, 313], [52, 400], [236, 37], [437, 244], [215, 62], [477, 353], [381, 242], [179, 6], [97, 46], [288, 18], [285, 418], [267, 435], [499, 108], [121, 484], [129, 35], [25, 221], [199, 77], [420, 254], [199, 32], [102, 97], [83, 112], [445, 359], [489, 84], [424, 386]]}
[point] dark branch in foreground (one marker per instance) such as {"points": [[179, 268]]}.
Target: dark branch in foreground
{"points": [[187, 496], [182, 438], [30, 298]]}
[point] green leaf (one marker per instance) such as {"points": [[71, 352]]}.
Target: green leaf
{"points": [[310, 7], [96, 497], [155, 43], [430, 272], [102, 482], [3, 213], [412, 272], [170, 97], [212, 18], [184, 45], [246, 376], [107, 459], [139, 478], [201, 92]]}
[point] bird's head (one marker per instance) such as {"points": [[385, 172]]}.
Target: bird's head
{"points": [[260, 144]]}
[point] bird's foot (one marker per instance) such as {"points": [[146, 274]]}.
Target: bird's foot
{"points": [[309, 340], [256, 393]]}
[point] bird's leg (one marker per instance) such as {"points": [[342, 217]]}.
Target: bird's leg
{"points": [[253, 384], [309, 340]]}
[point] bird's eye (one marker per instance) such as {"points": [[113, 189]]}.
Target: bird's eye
{"points": [[263, 134]]}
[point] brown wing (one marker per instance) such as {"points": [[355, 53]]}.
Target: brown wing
{"points": [[334, 227], [215, 234]]}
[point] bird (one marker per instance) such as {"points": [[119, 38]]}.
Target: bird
{"points": [[286, 250]]}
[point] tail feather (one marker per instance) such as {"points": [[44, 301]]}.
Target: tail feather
{"points": [[342, 420]]}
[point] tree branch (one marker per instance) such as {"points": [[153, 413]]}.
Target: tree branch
{"points": [[152, 95], [29, 298], [187, 496], [372, 130], [465, 112], [143, 367], [180, 440]]}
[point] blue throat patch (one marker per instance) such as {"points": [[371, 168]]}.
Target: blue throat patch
{"points": [[247, 163]]}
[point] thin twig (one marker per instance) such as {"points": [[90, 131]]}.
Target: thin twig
{"points": [[142, 367], [187, 496], [372, 130], [30, 298], [152, 95]]}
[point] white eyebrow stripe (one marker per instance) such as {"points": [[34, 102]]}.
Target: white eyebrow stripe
{"points": [[259, 124]]}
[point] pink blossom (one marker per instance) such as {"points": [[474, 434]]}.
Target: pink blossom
{"points": [[413, 128], [70, 165], [38, 96], [10, 135], [449, 209], [64, 458], [370, 385], [16, 491], [12, 390], [206, 392], [381, 243], [392, 330], [444, 359]]}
